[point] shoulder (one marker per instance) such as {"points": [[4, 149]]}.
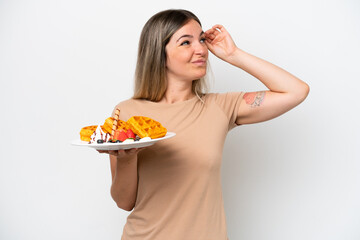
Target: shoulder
{"points": [[125, 105], [131, 102]]}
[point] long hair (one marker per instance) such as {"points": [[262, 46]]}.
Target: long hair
{"points": [[150, 73]]}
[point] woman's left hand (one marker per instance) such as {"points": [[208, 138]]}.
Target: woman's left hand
{"points": [[219, 42]]}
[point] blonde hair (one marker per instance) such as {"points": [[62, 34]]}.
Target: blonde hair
{"points": [[150, 73]]}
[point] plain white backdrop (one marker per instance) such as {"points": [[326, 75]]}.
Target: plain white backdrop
{"points": [[66, 64]]}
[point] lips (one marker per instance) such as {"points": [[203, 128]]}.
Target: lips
{"points": [[200, 62]]}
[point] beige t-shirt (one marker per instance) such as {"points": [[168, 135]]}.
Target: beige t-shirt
{"points": [[179, 184]]}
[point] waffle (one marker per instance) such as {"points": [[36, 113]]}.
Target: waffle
{"points": [[146, 127], [107, 127], [86, 132]]}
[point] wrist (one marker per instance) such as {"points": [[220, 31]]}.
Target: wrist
{"points": [[125, 161], [235, 57]]}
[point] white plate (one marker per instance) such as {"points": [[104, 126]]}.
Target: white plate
{"points": [[117, 146]]}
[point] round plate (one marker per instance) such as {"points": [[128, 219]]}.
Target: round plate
{"points": [[117, 146]]}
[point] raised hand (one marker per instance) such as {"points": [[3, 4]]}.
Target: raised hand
{"points": [[219, 42]]}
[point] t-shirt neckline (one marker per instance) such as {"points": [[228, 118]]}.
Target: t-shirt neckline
{"points": [[195, 98]]}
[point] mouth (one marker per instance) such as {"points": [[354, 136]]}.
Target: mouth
{"points": [[200, 62]]}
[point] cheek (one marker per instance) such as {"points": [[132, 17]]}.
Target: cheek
{"points": [[178, 58], [170, 60]]}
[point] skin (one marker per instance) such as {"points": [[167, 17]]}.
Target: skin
{"points": [[186, 48], [254, 99], [187, 55], [285, 90]]}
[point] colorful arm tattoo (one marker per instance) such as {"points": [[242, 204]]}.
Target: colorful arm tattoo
{"points": [[254, 99]]}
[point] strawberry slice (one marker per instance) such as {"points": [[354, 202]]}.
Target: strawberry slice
{"points": [[130, 133], [120, 135]]}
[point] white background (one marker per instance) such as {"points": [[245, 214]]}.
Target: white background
{"points": [[66, 64]]}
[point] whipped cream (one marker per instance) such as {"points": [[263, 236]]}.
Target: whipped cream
{"points": [[129, 140], [99, 135], [145, 139]]}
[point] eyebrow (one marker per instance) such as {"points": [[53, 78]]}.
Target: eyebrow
{"points": [[189, 36]]}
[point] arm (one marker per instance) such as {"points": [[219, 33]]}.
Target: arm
{"points": [[123, 165], [285, 90]]}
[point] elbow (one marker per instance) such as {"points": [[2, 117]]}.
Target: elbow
{"points": [[123, 203], [302, 92], [306, 90], [126, 207]]}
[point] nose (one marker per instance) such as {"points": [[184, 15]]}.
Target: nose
{"points": [[200, 48]]}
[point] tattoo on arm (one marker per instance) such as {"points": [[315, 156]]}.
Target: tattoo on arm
{"points": [[254, 99]]}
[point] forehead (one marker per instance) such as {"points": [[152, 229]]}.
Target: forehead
{"points": [[192, 28]]}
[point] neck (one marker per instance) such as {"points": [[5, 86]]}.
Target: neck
{"points": [[178, 92]]}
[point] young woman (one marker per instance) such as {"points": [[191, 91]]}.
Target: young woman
{"points": [[173, 187]]}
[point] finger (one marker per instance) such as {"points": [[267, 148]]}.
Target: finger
{"points": [[219, 27], [132, 150], [209, 46], [209, 31], [103, 151], [210, 37], [135, 150], [212, 33], [122, 153], [216, 33], [113, 152], [209, 40]]}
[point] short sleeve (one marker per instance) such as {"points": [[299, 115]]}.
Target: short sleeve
{"points": [[123, 106], [229, 103]]}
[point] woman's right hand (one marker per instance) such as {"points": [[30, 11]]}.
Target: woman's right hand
{"points": [[220, 43]]}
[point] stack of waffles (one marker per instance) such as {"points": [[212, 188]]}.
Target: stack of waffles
{"points": [[140, 125]]}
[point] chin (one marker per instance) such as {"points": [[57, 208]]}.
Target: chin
{"points": [[200, 73]]}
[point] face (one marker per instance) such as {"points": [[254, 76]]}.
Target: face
{"points": [[187, 53]]}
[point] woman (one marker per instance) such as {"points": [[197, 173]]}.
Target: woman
{"points": [[173, 187]]}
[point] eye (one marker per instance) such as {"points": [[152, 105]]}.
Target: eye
{"points": [[185, 43], [202, 40]]}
